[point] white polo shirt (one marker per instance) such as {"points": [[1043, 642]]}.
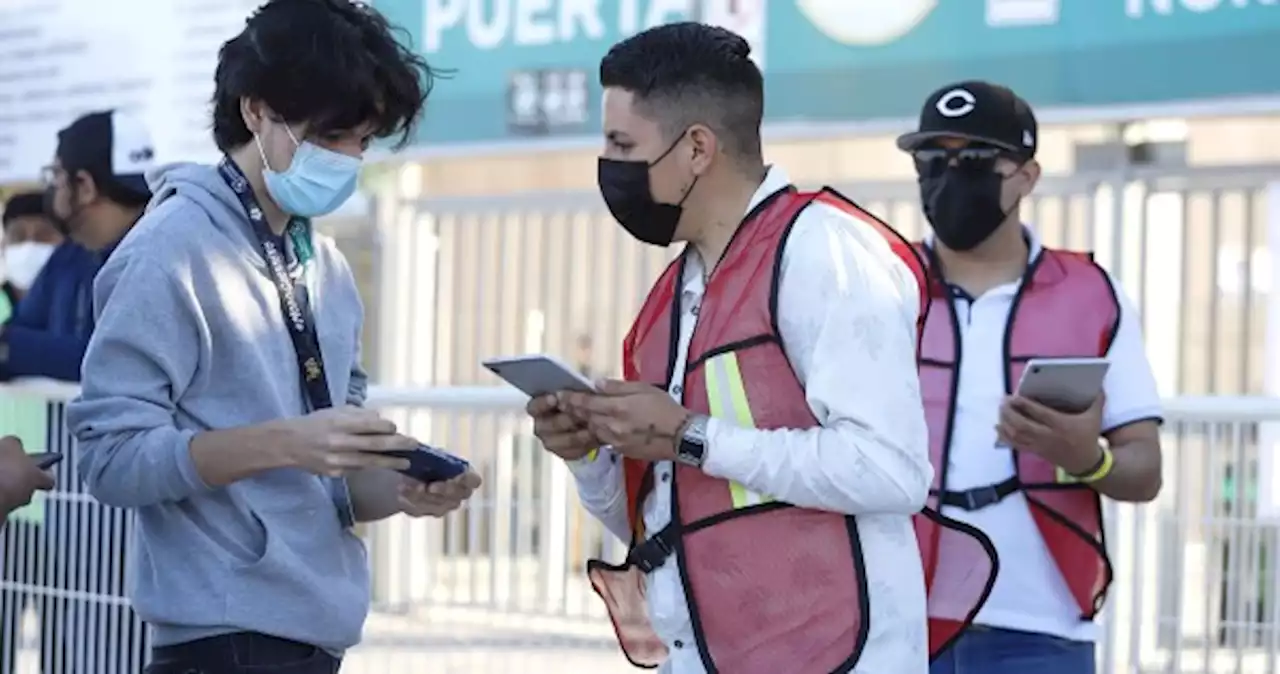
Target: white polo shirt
{"points": [[1030, 593]]}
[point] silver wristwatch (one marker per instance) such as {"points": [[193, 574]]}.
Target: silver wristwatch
{"points": [[691, 449]]}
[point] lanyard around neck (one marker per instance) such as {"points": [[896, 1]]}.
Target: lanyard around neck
{"points": [[298, 316]]}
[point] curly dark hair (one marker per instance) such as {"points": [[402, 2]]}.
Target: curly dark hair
{"points": [[332, 64]]}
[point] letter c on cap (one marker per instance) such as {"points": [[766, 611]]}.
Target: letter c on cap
{"points": [[956, 103]]}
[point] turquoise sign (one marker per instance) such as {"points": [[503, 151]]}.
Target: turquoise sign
{"points": [[527, 68]]}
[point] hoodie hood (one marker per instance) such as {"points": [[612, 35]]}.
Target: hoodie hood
{"points": [[203, 185]]}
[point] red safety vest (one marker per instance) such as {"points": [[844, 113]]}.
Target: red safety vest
{"points": [[1065, 307], [771, 587]]}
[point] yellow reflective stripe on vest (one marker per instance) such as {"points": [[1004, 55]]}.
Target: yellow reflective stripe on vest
{"points": [[727, 399]]}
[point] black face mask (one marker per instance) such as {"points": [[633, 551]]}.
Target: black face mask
{"points": [[628, 194], [963, 206]]}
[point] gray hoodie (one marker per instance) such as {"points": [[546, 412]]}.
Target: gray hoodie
{"points": [[190, 338]]}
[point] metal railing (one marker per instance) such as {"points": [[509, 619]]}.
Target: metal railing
{"points": [[499, 587], [495, 588], [1192, 247]]}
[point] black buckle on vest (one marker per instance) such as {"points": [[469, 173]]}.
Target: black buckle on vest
{"points": [[653, 553], [981, 497], [978, 497]]}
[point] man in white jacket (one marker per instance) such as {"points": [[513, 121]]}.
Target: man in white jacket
{"points": [[805, 325]]}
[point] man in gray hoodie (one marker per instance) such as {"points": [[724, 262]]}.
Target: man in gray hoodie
{"points": [[222, 389]]}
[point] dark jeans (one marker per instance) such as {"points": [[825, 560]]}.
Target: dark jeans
{"points": [[242, 653], [987, 650]]}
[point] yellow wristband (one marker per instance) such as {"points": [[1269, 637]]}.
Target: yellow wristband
{"points": [[591, 455], [1104, 468]]}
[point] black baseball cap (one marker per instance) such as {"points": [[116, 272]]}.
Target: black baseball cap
{"points": [[977, 111], [112, 146]]}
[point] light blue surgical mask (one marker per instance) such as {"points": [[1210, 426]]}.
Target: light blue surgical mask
{"points": [[317, 181]]}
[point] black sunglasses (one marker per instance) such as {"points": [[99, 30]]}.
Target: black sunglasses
{"points": [[934, 161]]}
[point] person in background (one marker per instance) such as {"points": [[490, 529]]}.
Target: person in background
{"points": [[223, 392], [29, 240], [95, 191], [1028, 476]]}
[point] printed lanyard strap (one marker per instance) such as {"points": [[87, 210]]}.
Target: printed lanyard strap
{"points": [[298, 316]]}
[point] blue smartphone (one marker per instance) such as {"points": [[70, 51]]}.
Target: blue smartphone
{"points": [[429, 464]]}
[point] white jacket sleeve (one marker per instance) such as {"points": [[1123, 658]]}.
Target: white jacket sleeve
{"points": [[847, 313], [602, 490]]}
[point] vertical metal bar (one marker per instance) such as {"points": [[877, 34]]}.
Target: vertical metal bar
{"points": [[1118, 187], [1182, 518], [1213, 538], [455, 558], [1143, 231], [1248, 294], [500, 490], [1070, 233], [1238, 551], [116, 614], [1184, 316], [1211, 348], [1271, 628], [412, 275], [475, 523], [501, 513]]}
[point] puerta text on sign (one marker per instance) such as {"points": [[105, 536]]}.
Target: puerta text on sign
{"points": [[519, 64]]}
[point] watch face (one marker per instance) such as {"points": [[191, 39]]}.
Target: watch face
{"points": [[690, 453], [693, 444]]}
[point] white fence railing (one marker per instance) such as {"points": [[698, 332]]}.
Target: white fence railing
{"points": [[498, 587]]}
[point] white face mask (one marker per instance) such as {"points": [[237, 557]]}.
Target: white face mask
{"points": [[23, 262]]}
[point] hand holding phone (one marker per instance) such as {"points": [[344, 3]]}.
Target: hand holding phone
{"points": [[437, 499], [1065, 384], [539, 376], [1056, 414], [429, 464], [20, 476]]}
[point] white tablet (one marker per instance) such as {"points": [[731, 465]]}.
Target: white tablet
{"points": [[1065, 384], [539, 374]]}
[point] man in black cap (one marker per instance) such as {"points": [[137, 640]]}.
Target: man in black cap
{"points": [[1028, 473], [95, 192], [97, 184]]}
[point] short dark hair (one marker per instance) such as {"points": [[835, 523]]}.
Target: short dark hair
{"points": [[21, 205], [332, 64], [686, 73]]}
